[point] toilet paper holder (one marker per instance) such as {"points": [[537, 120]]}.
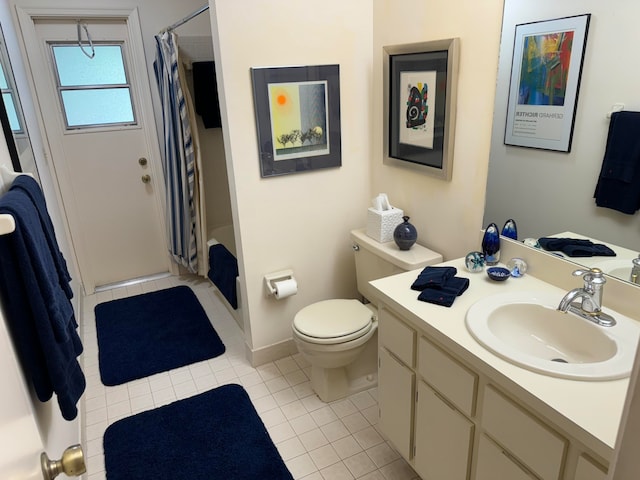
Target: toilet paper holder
{"points": [[271, 278]]}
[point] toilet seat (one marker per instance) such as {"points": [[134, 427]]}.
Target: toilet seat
{"points": [[333, 321]]}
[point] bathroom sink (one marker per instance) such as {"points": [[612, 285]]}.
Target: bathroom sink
{"points": [[525, 329], [616, 268]]}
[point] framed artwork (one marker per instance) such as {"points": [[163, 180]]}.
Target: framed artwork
{"points": [[420, 83], [545, 80], [298, 118]]}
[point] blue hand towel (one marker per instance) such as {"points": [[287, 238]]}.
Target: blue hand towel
{"points": [[574, 247], [39, 314], [432, 277], [223, 270], [446, 294], [618, 185]]}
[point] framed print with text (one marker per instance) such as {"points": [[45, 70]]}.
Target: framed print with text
{"points": [[545, 80]]}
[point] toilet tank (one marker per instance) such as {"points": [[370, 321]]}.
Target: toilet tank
{"points": [[376, 260]]}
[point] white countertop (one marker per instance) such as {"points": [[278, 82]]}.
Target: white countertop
{"points": [[588, 410]]}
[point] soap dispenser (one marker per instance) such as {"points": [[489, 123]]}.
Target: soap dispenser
{"points": [[635, 271]]}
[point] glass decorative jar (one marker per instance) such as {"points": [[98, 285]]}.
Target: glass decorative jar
{"points": [[405, 234], [491, 244]]}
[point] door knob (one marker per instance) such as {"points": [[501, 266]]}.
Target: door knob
{"points": [[146, 178], [71, 464], [142, 161]]}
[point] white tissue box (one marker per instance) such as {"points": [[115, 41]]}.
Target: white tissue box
{"points": [[382, 223]]}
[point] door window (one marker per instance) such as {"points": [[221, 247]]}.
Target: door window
{"points": [[94, 92]]}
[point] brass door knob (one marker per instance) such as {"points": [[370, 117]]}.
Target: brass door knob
{"points": [[142, 161], [71, 464], [146, 178]]}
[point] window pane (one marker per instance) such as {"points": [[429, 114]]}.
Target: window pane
{"points": [[76, 69], [3, 79], [97, 106], [10, 107]]}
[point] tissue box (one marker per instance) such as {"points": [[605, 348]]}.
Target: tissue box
{"points": [[382, 223]]}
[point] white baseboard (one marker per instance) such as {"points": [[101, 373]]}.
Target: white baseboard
{"points": [[271, 353]]}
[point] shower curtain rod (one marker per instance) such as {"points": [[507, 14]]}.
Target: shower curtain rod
{"points": [[187, 18]]}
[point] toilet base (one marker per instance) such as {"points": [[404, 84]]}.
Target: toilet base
{"points": [[332, 384]]}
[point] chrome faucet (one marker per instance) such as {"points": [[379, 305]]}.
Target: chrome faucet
{"points": [[635, 271], [586, 302]]}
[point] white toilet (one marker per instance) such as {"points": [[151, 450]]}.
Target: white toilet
{"points": [[339, 337]]}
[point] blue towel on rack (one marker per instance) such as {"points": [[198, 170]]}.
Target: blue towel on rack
{"points": [[39, 313], [32, 189], [223, 270], [618, 185]]}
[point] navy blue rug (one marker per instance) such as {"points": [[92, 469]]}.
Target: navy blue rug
{"points": [[151, 333], [216, 435]]}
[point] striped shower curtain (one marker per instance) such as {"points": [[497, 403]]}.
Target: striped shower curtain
{"points": [[184, 208]]}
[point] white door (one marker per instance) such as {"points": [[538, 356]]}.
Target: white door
{"points": [[19, 436], [107, 169]]}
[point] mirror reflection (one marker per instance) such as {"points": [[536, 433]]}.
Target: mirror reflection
{"points": [[551, 193], [13, 122]]}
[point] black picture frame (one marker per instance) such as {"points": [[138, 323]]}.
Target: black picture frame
{"points": [[545, 82], [420, 89], [298, 118]]}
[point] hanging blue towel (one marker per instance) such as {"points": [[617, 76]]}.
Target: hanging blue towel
{"points": [[223, 270], [32, 189], [39, 313], [618, 185]]}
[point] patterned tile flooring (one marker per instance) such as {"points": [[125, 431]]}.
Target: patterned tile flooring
{"points": [[335, 441]]}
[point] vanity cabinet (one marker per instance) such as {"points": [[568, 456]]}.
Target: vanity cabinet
{"points": [[449, 421]]}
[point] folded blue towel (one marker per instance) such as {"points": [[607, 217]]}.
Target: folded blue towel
{"points": [[446, 294], [431, 277], [618, 184], [576, 247], [438, 297], [223, 270], [38, 311]]}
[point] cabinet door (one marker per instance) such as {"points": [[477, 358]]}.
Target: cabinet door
{"points": [[443, 438], [589, 470], [494, 464], [395, 401]]}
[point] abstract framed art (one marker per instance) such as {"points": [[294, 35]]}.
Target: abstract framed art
{"points": [[298, 118], [545, 81], [420, 84]]}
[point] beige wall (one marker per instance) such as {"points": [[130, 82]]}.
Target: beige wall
{"points": [[298, 221], [446, 214]]}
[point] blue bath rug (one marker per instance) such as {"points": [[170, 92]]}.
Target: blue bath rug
{"points": [[151, 333], [215, 435]]}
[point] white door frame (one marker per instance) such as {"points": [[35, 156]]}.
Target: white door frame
{"points": [[38, 73]]}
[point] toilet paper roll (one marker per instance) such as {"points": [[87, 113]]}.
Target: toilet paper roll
{"points": [[285, 288]]}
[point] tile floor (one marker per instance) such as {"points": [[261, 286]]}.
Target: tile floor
{"points": [[317, 441]]}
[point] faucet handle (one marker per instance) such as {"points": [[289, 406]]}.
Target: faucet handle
{"points": [[591, 276]]}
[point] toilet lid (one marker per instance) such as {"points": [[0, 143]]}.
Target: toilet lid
{"points": [[333, 319]]}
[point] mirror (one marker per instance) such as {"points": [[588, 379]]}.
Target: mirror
{"points": [[547, 192], [12, 117]]}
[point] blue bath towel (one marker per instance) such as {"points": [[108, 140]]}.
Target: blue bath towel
{"points": [[32, 189], [223, 270], [618, 185], [39, 313], [446, 293]]}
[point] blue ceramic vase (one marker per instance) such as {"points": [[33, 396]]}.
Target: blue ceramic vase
{"points": [[491, 244], [405, 234]]}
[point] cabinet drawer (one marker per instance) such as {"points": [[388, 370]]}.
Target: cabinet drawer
{"points": [[447, 376], [397, 337], [541, 449], [589, 470], [494, 463]]}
